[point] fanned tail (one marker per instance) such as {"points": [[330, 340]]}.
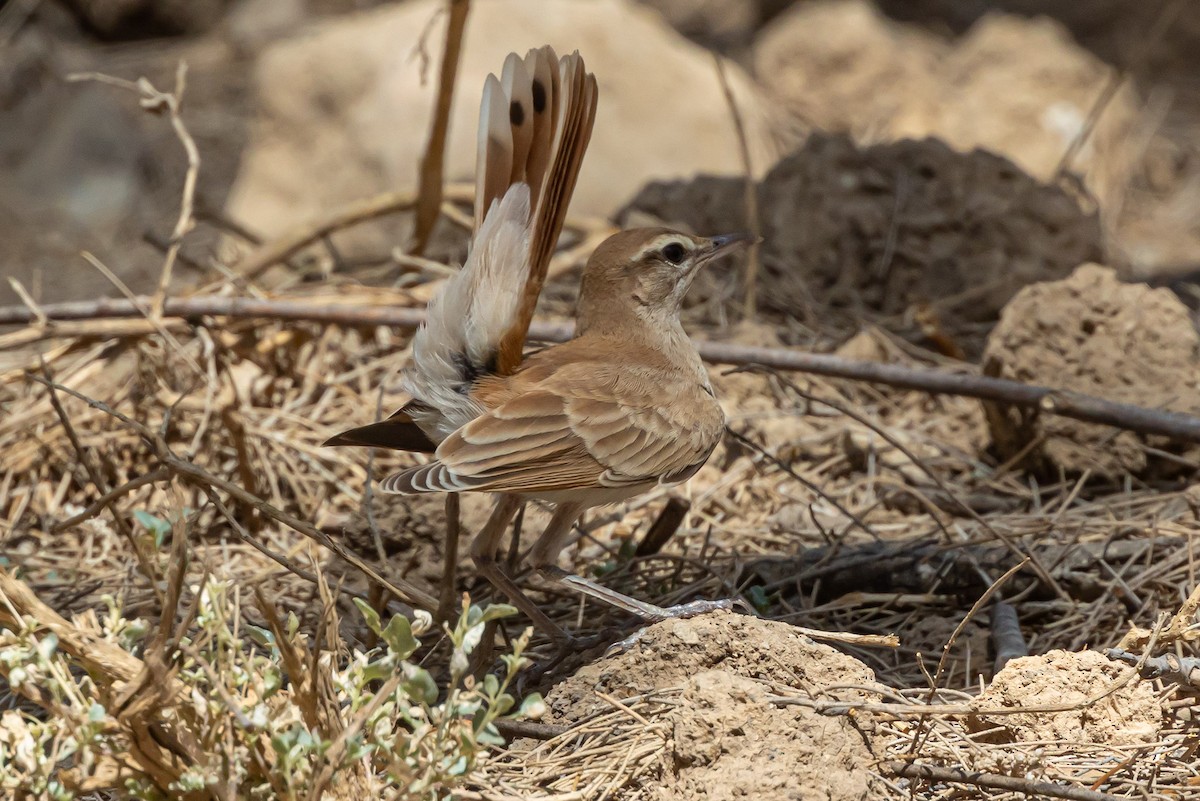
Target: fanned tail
{"points": [[535, 122]]}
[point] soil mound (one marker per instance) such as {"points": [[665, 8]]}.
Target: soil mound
{"points": [[1094, 334], [1129, 715], [725, 738], [886, 230]]}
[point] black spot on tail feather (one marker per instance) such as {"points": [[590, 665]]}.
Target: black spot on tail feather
{"points": [[539, 97], [516, 114], [472, 371]]}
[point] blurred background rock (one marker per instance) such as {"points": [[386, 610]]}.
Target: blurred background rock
{"points": [[301, 106]]}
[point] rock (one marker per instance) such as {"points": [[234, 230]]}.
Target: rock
{"points": [[1128, 716], [124, 19], [1018, 87], [344, 111], [1094, 334], [844, 65], [889, 228], [711, 22]]}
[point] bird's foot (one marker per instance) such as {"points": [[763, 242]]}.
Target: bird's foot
{"points": [[565, 648], [677, 612]]}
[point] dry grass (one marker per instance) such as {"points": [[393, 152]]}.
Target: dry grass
{"points": [[836, 506], [786, 521]]}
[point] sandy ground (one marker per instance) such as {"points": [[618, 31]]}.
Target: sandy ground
{"points": [[839, 506]]}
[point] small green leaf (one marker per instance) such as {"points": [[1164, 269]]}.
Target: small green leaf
{"points": [[489, 735], [370, 615], [96, 713], [259, 635], [497, 611], [376, 671], [398, 635], [156, 526], [491, 685], [419, 685], [272, 681], [759, 599], [503, 703]]}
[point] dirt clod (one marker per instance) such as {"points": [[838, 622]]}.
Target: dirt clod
{"points": [[1094, 334], [1128, 716], [885, 229]]}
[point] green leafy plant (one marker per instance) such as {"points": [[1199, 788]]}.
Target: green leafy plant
{"points": [[250, 712]]}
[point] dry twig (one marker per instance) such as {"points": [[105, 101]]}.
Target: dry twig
{"points": [[429, 193], [993, 781], [750, 196], [1047, 400]]}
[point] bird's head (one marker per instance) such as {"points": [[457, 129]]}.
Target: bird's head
{"points": [[647, 271]]}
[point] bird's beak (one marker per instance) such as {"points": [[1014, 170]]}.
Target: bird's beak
{"points": [[726, 243]]}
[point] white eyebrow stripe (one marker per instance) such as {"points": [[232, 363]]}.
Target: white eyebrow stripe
{"points": [[663, 241]]}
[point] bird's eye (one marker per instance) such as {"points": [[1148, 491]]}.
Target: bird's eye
{"points": [[674, 253]]}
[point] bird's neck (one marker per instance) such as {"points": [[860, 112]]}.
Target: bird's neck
{"points": [[655, 328]]}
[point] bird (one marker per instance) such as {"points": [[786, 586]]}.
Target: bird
{"points": [[624, 406]]}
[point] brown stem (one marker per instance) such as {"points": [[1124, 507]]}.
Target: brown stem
{"points": [[993, 781], [429, 195]]}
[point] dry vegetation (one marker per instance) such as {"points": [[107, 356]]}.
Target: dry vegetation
{"points": [[197, 600]]}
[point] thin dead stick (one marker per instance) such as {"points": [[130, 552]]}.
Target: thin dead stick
{"points": [[95, 474], [750, 279], [301, 237], [28, 300], [97, 506], [278, 559], [1064, 403], [156, 320], [447, 594], [847, 638], [809, 485], [918, 710], [971, 613], [1040, 569], [196, 475], [157, 102], [994, 781], [429, 194], [920, 732], [1116, 79]]}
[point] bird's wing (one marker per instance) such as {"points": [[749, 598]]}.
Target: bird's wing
{"points": [[577, 432]]}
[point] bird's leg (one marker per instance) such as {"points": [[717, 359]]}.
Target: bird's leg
{"points": [[545, 551], [483, 552], [447, 597]]}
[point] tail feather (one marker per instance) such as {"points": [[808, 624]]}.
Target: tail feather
{"points": [[518, 88], [495, 149], [398, 433], [535, 121], [575, 112], [542, 66]]}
